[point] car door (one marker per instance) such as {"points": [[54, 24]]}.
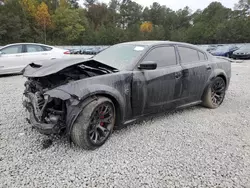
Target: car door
{"points": [[196, 72], [35, 53], [159, 89], [11, 59]]}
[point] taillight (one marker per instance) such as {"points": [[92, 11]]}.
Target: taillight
{"points": [[66, 52]]}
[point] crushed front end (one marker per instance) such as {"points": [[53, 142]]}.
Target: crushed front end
{"points": [[46, 114], [52, 109]]}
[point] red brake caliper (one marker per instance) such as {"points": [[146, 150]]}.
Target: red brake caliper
{"points": [[101, 117]]}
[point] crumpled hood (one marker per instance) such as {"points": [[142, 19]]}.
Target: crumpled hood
{"points": [[47, 67]]}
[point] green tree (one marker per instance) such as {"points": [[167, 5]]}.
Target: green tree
{"points": [[14, 24], [130, 13], [120, 20], [73, 3], [69, 26], [43, 18], [97, 14]]}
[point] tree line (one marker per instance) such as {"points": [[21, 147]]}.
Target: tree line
{"points": [[66, 22]]}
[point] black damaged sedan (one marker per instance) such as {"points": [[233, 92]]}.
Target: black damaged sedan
{"points": [[87, 98]]}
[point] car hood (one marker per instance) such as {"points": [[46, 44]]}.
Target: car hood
{"points": [[48, 67]]}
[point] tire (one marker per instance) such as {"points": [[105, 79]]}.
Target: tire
{"points": [[93, 123], [214, 94]]}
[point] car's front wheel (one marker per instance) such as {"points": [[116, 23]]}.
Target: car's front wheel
{"points": [[215, 93], [94, 124]]}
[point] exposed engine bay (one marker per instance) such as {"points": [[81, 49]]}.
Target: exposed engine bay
{"points": [[48, 114]]}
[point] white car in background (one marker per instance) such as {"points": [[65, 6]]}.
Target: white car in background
{"points": [[14, 57]]}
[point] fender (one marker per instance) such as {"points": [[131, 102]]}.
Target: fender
{"points": [[78, 97], [218, 72], [75, 91], [111, 93]]}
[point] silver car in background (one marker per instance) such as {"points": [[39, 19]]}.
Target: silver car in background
{"points": [[14, 57]]}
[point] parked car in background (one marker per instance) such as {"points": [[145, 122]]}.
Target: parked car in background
{"points": [[203, 47], [88, 51], [74, 51], [14, 57], [93, 50], [211, 48], [242, 53], [86, 99], [226, 50], [97, 50]]}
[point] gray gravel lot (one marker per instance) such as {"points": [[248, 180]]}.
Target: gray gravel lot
{"points": [[195, 147]]}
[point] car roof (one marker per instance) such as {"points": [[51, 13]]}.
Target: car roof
{"points": [[151, 43], [155, 42], [25, 43]]}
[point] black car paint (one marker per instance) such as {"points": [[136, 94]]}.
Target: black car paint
{"points": [[136, 93]]}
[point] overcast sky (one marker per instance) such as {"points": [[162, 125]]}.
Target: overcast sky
{"points": [[178, 4]]}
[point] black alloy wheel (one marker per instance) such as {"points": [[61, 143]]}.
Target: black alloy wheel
{"points": [[218, 89], [215, 93], [94, 124], [101, 123]]}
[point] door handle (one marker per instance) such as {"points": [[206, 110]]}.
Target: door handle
{"points": [[209, 67]]}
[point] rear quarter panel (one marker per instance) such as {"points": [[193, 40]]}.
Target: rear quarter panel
{"points": [[222, 67]]}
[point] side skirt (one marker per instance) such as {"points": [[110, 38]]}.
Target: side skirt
{"points": [[189, 105], [138, 118]]}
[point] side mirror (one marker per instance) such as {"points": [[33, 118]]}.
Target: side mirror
{"points": [[148, 65]]}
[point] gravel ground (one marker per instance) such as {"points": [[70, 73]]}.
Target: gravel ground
{"points": [[195, 147]]}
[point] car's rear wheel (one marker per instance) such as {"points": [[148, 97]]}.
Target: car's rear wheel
{"points": [[94, 124], [215, 93]]}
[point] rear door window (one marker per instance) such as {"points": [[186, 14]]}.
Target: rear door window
{"points": [[34, 48], [46, 48], [15, 49], [188, 55]]}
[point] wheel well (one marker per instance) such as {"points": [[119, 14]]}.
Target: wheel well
{"points": [[117, 107], [223, 77]]}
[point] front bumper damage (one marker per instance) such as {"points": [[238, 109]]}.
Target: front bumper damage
{"points": [[50, 123]]}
